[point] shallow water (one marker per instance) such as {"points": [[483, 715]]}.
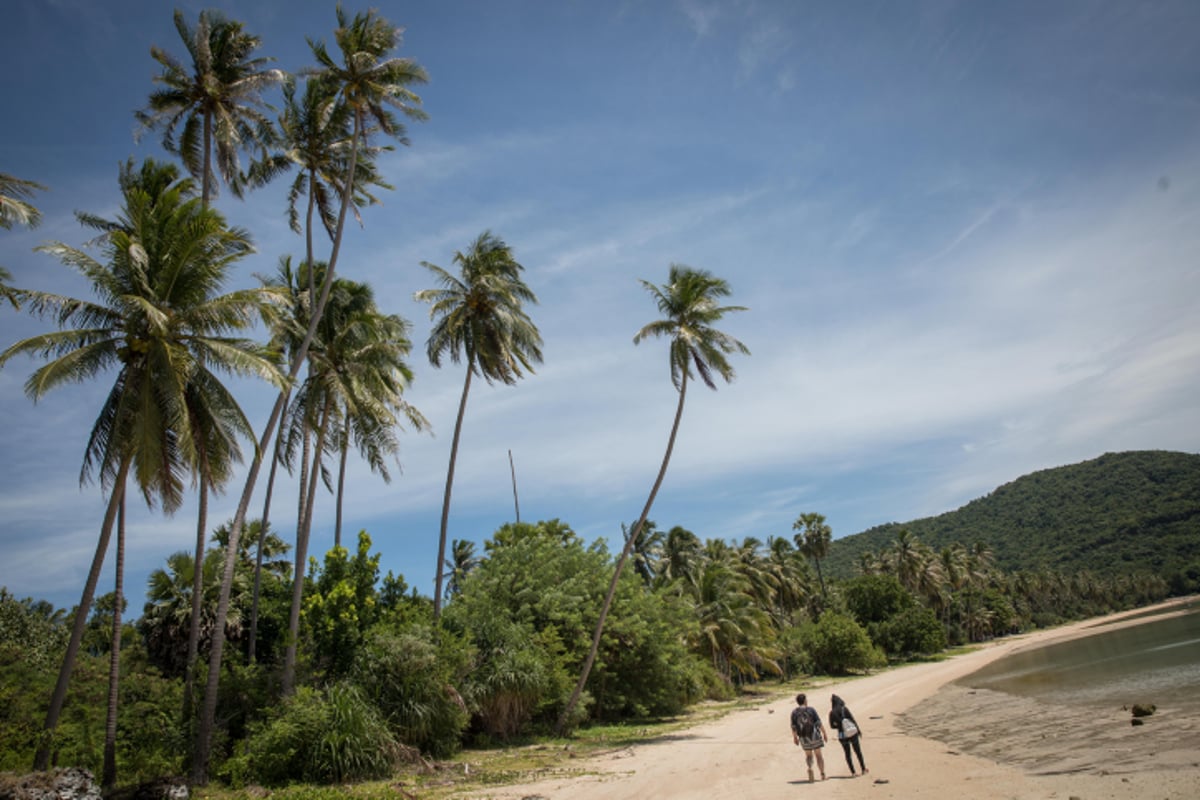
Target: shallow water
{"points": [[1157, 661]]}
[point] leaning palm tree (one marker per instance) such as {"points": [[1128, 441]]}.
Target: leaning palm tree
{"points": [[214, 104], [159, 322], [479, 316], [371, 83], [689, 301]]}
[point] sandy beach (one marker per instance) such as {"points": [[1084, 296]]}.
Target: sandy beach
{"points": [[923, 736]]}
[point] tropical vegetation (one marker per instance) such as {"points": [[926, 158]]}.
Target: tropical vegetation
{"points": [[320, 668]]}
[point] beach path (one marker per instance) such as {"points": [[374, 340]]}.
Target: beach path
{"points": [[749, 753]]}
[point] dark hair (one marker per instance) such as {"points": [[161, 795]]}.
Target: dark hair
{"points": [[801, 698]]}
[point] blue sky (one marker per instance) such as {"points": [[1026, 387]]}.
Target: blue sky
{"points": [[967, 234]]}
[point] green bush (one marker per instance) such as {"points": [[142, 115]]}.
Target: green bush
{"points": [[837, 645], [411, 680], [914, 631], [327, 737]]}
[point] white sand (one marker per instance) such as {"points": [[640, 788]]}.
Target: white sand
{"points": [[952, 743]]}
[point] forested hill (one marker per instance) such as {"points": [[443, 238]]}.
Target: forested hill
{"points": [[1122, 512]]}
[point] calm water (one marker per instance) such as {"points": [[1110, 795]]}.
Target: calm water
{"points": [[1157, 661]]}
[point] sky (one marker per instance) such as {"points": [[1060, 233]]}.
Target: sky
{"points": [[967, 235]]}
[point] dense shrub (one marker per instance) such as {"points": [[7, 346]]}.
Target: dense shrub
{"points": [[875, 598], [914, 631], [836, 645], [411, 680], [334, 736]]}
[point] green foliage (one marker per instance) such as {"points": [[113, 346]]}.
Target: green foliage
{"points": [[334, 736], [837, 645], [875, 598], [148, 737], [340, 605], [410, 678], [530, 607], [914, 631], [1120, 513], [34, 630]]}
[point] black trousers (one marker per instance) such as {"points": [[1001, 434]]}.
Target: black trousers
{"points": [[853, 741]]}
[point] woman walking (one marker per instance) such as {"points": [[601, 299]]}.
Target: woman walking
{"points": [[849, 734]]}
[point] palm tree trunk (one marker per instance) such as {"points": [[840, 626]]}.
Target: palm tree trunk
{"points": [[302, 535], [206, 183], [441, 557], [197, 596], [612, 586], [41, 759], [109, 775], [516, 503], [199, 772], [258, 558], [341, 490]]}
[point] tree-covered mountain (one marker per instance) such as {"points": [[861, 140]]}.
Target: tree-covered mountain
{"points": [[1117, 513]]}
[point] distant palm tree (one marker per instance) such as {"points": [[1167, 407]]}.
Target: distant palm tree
{"points": [[370, 83], [479, 316], [689, 302], [462, 562], [813, 541], [214, 103], [681, 551], [160, 322]]}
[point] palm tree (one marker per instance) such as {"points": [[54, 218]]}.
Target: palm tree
{"points": [[813, 541], [108, 777], [681, 552], [16, 210], [689, 302], [369, 82], [357, 372], [215, 102], [462, 562], [479, 316], [158, 321], [316, 135]]}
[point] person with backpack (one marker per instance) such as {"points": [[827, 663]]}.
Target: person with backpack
{"points": [[808, 733], [849, 734]]}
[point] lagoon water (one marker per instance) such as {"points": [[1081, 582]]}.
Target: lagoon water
{"points": [[1156, 661]]}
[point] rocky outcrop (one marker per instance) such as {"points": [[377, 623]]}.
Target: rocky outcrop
{"points": [[72, 783]]}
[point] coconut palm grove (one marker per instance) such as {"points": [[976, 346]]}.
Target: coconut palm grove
{"points": [[264, 656]]}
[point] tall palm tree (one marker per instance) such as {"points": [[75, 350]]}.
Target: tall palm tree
{"points": [[358, 372], [371, 83], [212, 105], [316, 136], [813, 541], [689, 301], [160, 322], [108, 775], [479, 316]]}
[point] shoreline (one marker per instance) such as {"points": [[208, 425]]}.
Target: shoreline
{"points": [[923, 736]]}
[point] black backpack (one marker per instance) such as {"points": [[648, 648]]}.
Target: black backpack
{"points": [[806, 724]]}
